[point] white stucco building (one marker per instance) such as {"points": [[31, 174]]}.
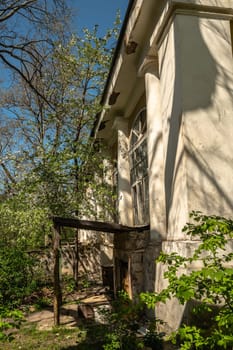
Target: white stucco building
{"points": [[168, 123]]}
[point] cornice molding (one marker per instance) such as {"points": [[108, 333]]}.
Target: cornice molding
{"points": [[187, 9], [150, 63], [120, 123]]}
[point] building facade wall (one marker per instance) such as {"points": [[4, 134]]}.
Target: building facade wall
{"points": [[184, 67], [196, 77]]}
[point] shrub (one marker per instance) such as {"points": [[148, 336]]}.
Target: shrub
{"points": [[9, 319], [16, 280], [209, 289], [123, 323]]}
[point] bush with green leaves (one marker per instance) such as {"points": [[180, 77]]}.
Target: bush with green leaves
{"points": [[123, 323], [209, 289], [23, 223], [16, 276], [9, 320]]}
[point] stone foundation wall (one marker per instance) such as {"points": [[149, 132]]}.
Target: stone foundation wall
{"points": [[135, 256]]}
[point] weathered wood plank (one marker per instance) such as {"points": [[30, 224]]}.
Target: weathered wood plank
{"points": [[97, 225], [57, 287]]}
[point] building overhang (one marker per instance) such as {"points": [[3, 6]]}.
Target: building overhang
{"points": [[144, 28], [124, 86]]}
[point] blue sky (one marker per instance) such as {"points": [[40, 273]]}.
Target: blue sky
{"points": [[87, 13], [101, 12]]}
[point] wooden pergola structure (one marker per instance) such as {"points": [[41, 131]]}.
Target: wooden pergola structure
{"points": [[97, 226]]}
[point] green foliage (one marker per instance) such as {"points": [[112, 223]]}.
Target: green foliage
{"points": [[42, 303], [85, 283], [209, 288], [16, 276], [123, 322], [51, 166], [23, 223], [58, 338], [9, 320], [69, 283], [154, 338]]}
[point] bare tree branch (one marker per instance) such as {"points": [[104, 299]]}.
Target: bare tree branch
{"points": [[25, 78], [7, 172], [6, 13], [24, 50]]}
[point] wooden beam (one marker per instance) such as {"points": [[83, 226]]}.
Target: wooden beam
{"points": [[97, 225], [57, 301]]}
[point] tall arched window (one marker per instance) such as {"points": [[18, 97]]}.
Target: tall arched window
{"points": [[139, 169]]}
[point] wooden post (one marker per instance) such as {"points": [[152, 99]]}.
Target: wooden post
{"points": [[57, 287], [76, 258]]}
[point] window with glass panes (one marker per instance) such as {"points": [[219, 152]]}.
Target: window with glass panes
{"points": [[139, 169]]}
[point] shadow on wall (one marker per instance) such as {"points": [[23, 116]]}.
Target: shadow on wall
{"points": [[198, 79], [209, 199], [125, 196], [89, 260], [89, 263]]}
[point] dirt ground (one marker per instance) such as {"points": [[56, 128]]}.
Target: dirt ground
{"points": [[45, 319], [72, 312]]}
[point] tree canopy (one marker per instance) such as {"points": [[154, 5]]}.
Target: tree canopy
{"points": [[47, 161]]}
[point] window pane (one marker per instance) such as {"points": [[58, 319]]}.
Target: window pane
{"points": [[139, 169]]}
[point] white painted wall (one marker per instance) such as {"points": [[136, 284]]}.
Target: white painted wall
{"points": [[196, 70]]}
